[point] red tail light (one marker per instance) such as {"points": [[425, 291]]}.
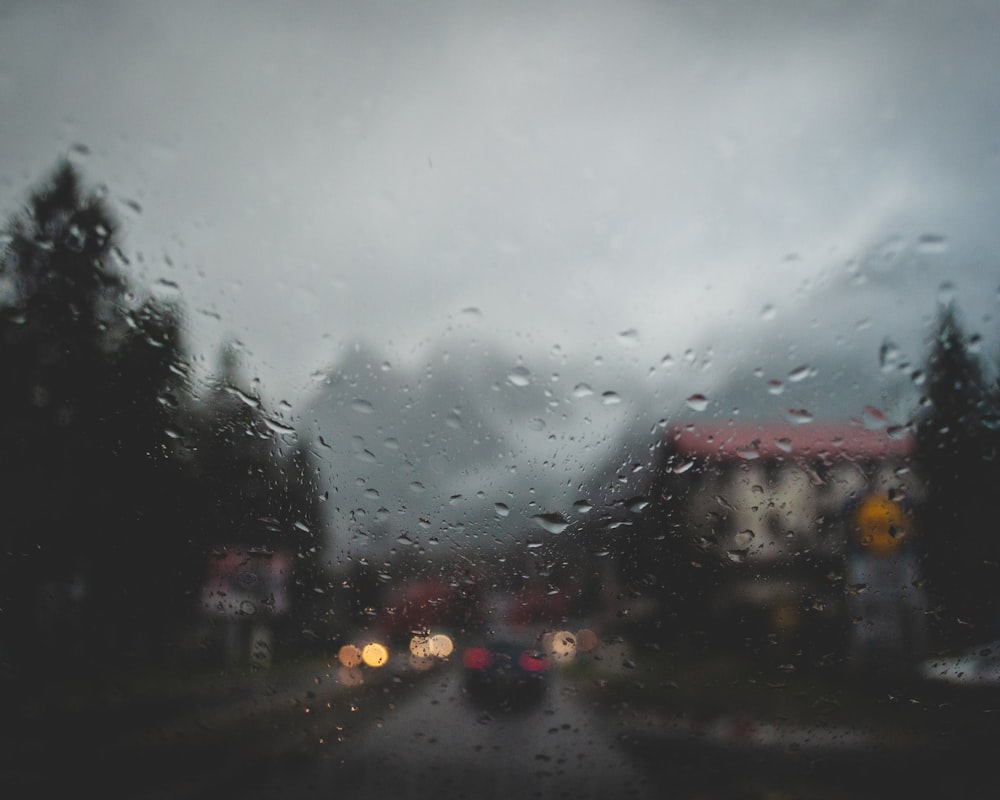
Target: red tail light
{"points": [[530, 661], [477, 658]]}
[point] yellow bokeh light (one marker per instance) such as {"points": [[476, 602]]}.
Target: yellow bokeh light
{"points": [[441, 645], [420, 646], [563, 646], [374, 654], [349, 656]]}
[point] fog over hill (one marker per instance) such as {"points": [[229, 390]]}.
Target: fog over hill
{"points": [[473, 447]]}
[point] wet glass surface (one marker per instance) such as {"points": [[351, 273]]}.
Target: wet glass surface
{"points": [[477, 400]]}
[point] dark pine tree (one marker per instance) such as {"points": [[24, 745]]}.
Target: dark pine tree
{"points": [[956, 457], [84, 407]]}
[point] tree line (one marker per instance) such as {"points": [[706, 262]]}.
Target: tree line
{"points": [[121, 475]]}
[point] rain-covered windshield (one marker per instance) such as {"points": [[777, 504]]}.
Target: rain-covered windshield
{"points": [[478, 399]]}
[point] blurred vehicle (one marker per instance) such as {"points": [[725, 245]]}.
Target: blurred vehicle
{"points": [[506, 674]]}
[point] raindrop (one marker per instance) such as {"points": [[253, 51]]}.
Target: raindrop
{"points": [[946, 292], [454, 420], [519, 376], [536, 424], [362, 406], [501, 509], [553, 523], [417, 487], [610, 398], [365, 455], [629, 338], [472, 313], [744, 538], [737, 556], [582, 390], [278, 427], [799, 416], [404, 539], [897, 432], [636, 504], [252, 402], [784, 444], [166, 289], [667, 362], [582, 506], [768, 313], [932, 244], [873, 419], [799, 373], [697, 402], [775, 386], [391, 443], [683, 467]]}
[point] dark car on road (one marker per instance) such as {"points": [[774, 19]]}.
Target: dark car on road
{"points": [[506, 674]]}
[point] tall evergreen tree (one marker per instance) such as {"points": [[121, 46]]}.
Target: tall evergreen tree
{"points": [[956, 457], [87, 370]]}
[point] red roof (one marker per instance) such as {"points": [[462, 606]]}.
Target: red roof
{"points": [[775, 440]]}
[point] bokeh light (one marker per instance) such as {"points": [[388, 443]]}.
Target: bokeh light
{"points": [[374, 654]]}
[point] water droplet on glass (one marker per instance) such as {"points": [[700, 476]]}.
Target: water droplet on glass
{"points": [[932, 244], [784, 444], [472, 313], [744, 538], [683, 467], [798, 416], [629, 338], [697, 402], [502, 510], [610, 398], [362, 406], [775, 387], [417, 487], [166, 289], [553, 523], [799, 373], [519, 376], [582, 506], [636, 504], [278, 427], [582, 390], [737, 556], [768, 313], [873, 418], [946, 292], [536, 424]]}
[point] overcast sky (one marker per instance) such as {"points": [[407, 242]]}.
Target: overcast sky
{"points": [[625, 180]]}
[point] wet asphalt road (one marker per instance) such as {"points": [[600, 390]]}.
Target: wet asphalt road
{"points": [[439, 744]]}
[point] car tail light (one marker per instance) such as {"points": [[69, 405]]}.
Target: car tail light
{"points": [[477, 658], [531, 661]]}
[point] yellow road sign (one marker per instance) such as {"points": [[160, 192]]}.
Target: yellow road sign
{"points": [[880, 524]]}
